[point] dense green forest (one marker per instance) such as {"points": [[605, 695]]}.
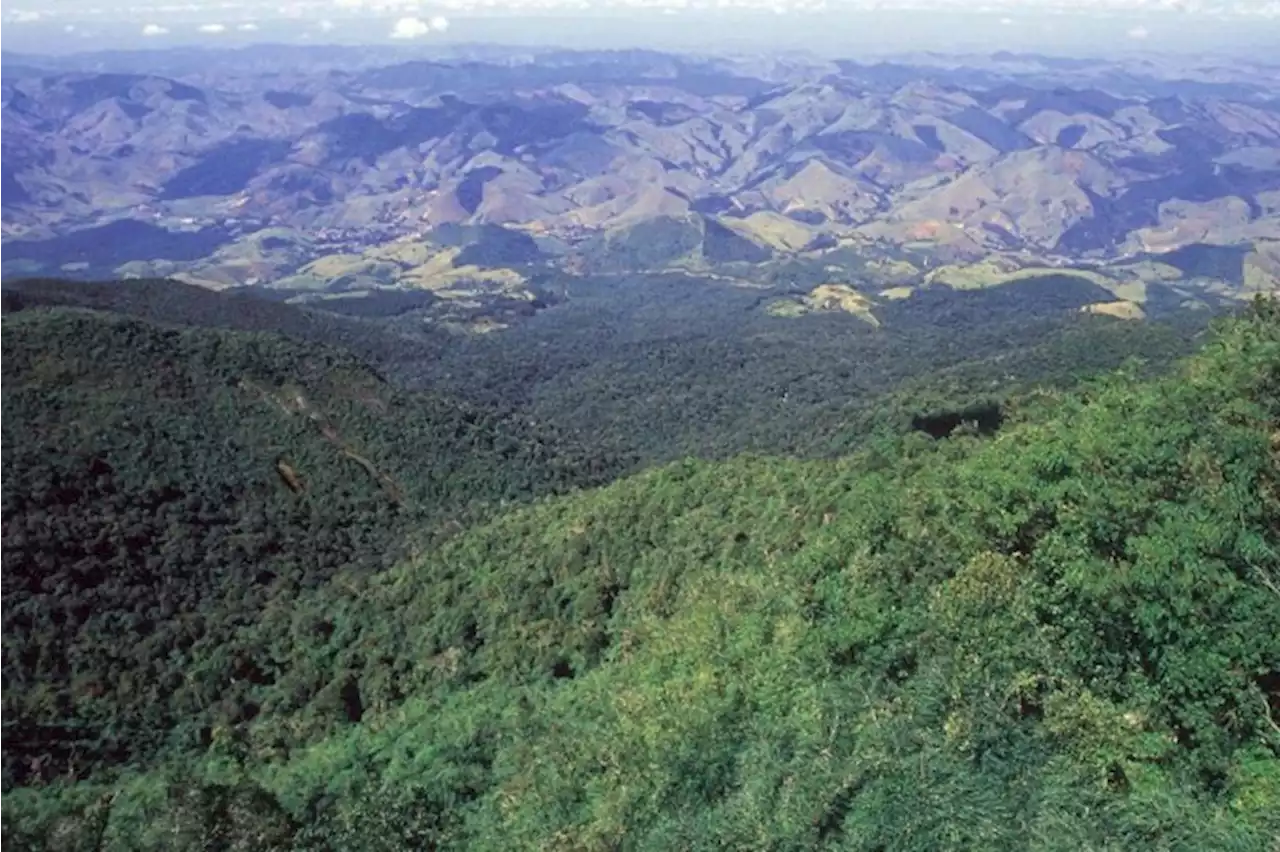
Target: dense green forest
{"points": [[258, 598], [188, 305], [659, 367], [162, 486], [662, 367]]}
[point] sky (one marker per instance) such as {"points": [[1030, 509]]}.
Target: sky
{"points": [[834, 27]]}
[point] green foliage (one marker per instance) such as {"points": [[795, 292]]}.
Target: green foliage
{"points": [[150, 513], [1066, 636], [178, 304], [721, 244], [493, 245], [664, 367], [649, 244]]}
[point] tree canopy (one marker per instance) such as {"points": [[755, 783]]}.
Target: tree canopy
{"points": [[1062, 635]]}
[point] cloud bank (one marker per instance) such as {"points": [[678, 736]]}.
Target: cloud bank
{"points": [[410, 28]]}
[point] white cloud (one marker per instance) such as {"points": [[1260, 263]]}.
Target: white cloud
{"points": [[410, 28], [439, 23], [1138, 33], [326, 26], [154, 30], [248, 27], [69, 29], [24, 16], [1006, 22], [213, 29]]}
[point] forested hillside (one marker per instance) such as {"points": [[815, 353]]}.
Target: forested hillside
{"points": [[664, 367], [162, 486], [1062, 635], [177, 303]]}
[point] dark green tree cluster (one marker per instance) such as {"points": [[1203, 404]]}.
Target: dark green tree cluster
{"points": [[244, 309], [650, 244], [663, 367], [162, 487]]}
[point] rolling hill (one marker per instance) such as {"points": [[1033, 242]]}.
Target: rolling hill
{"points": [[1062, 634]]}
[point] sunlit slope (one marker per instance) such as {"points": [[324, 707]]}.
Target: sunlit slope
{"points": [[1065, 636]]}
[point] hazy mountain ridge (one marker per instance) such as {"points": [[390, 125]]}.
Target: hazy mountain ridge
{"points": [[327, 174]]}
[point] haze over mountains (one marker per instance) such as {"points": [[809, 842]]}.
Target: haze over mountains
{"points": [[339, 174]]}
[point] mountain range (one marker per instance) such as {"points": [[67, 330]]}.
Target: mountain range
{"points": [[462, 177]]}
